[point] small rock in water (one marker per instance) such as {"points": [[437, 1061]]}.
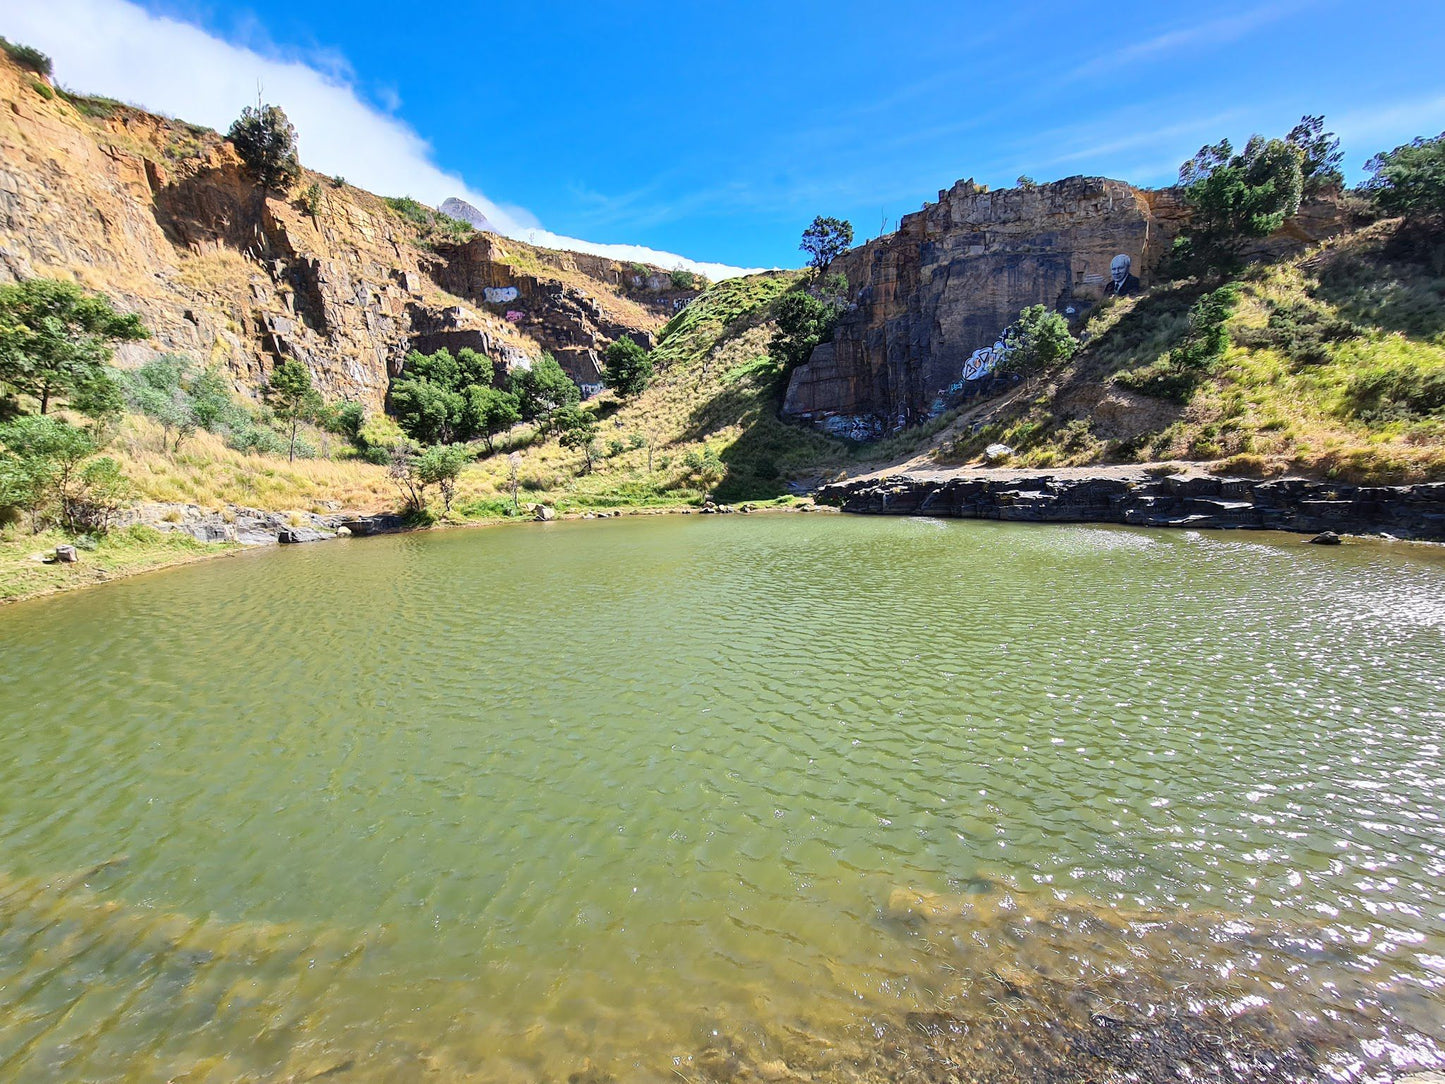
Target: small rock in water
{"points": [[66, 555], [343, 532], [1326, 538]]}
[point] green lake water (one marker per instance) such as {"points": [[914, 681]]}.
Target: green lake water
{"points": [[728, 799]]}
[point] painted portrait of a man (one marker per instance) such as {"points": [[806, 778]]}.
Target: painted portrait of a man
{"points": [[1122, 281]]}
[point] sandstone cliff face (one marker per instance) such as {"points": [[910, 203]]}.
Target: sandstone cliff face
{"points": [[957, 273], [162, 217]]}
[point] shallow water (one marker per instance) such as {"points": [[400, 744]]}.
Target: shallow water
{"points": [[729, 799]]}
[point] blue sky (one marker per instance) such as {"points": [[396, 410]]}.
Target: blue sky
{"points": [[717, 131]]}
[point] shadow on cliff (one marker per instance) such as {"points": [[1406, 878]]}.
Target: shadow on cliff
{"points": [[760, 462]]}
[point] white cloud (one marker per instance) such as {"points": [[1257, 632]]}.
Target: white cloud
{"points": [[115, 48]]}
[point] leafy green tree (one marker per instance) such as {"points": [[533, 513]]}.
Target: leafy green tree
{"points": [[825, 240], [1234, 198], [543, 390], [578, 430], [803, 322], [105, 490], [1410, 180], [266, 141], [41, 461], [54, 336], [1037, 341], [490, 411], [157, 390], [627, 368], [425, 411], [430, 397], [292, 397], [101, 399], [1320, 169], [441, 465]]}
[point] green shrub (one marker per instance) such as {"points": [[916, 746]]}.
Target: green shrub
{"points": [[89, 105], [27, 57], [310, 199], [1394, 389], [43, 89], [1176, 376]]}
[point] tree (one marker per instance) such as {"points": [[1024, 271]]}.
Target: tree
{"points": [[430, 396], [102, 400], [440, 465], [803, 322], [1320, 168], [628, 367], [490, 411], [1410, 180], [293, 397], [266, 142], [425, 411], [578, 429], [543, 390], [157, 390], [1235, 198], [42, 467], [825, 240], [54, 336], [1037, 341]]}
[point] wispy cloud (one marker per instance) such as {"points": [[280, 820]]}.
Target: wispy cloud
{"points": [[1219, 31], [116, 48]]}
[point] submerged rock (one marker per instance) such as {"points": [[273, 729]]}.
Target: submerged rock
{"points": [[1326, 538]]}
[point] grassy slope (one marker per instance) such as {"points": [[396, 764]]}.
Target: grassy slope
{"points": [[1278, 401], [119, 553]]}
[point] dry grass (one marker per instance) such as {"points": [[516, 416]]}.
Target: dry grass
{"points": [[207, 473]]}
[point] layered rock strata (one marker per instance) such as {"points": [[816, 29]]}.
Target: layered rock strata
{"points": [[162, 217], [1284, 504], [955, 274]]}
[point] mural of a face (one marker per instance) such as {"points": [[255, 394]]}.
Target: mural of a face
{"points": [[1119, 268]]}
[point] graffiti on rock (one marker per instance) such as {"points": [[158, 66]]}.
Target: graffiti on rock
{"points": [[514, 316], [499, 295]]}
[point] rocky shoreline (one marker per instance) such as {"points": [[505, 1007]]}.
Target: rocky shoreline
{"points": [[1150, 498], [244, 526]]}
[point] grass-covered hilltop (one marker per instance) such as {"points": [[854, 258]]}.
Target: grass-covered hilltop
{"points": [[228, 333]]}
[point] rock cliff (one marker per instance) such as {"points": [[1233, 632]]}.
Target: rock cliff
{"points": [[954, 275], [161, 216]]}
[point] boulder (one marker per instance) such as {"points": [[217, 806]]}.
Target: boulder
{"points": [[543, 514], [67, 555], [1326, 538], [290, 536]]}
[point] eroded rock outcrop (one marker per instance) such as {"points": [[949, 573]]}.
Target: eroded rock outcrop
{"points": [[954, 275], [161, 216]]}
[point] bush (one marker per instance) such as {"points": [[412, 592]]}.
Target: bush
{"points": [[46, 470], [627, 367], [27, 57], [43, 89], [1187, 365], [683, 279], [310, 199], [1302, 332], [1396, 389], [1038, 340]]}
